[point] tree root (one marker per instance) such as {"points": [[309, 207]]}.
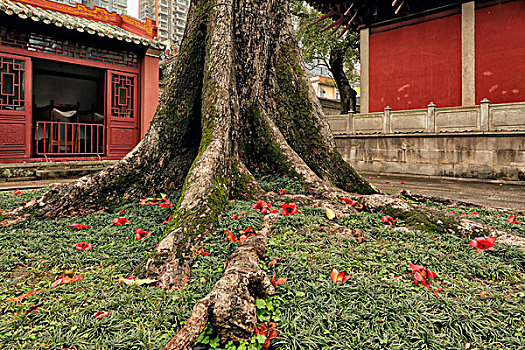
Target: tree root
{"points": [[230, 305]]}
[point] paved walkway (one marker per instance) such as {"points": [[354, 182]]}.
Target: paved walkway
{"points": [[487, 193]]}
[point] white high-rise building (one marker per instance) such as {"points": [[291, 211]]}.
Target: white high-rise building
{"points": [[170, 16]]}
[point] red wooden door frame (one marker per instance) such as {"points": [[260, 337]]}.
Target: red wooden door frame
{"points": [[121, 112], [13, 122]]}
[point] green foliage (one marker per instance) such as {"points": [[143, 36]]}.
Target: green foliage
{"points": [[373, 310], [275, 183], [316, 46]]}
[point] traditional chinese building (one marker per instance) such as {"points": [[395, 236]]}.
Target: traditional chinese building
{"points": [[75, 83]]}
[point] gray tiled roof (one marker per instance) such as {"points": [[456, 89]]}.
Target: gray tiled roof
{"points": [[79, 24]]}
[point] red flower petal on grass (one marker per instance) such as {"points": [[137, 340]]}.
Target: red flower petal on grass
{"points": [[201, 251], [20, 298], [79, 226], [388, 220], [262, 207], [339, 277], [512, 220], [349, 201], [84, 246], [121, 221], [102, 314], [474, 213], [141, 234], [279, 281], [282, 191], [230, 236], [482, 244], [17, 192], [402, 182], [269, 330], [67, 278], [169, 219], [290, 209], [415, 268]]}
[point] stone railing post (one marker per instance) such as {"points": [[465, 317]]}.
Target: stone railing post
{"points": [[350, 130], [484, 123], [387, 125], [431, 118]]}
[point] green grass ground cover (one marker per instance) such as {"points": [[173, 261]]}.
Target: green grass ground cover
{"points": [[481, 301]]}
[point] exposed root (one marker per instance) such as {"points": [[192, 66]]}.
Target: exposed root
{"points": [[230, 305], [444, 201]]}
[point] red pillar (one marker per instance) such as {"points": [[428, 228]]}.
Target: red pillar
{"points": [[149, 90]]}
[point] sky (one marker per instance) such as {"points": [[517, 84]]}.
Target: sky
{"points": [[133, 8]]}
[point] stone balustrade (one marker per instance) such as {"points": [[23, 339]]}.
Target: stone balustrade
{"points": [[483, 141], [481, 118]]}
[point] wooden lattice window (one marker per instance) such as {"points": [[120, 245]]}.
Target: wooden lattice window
{"points": [[11, 84], [122, 87]]}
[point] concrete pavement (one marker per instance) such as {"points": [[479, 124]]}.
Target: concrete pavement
{"points": [[486, 193]]}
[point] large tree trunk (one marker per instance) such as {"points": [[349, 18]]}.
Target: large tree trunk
{"points": [[237, 103], [348, 95]]}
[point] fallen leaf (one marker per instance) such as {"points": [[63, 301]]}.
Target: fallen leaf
{"points": [[20, 298], [102, 314], [138, 281], [330, 214]]}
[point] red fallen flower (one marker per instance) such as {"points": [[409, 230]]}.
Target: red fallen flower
{"points": [[17, 192], [269, 330], [121, 221], [310, 196], [481, 244], [169, 219], [402, 182], [262, 207], [282, 191], [512, 220], [349, 201], [474, 213], [290, 209], [121, 212], [234, 217], [244, 212], [20, 298], [388, 220], [451, 211], [243, 237], [79, 226], [102, 314], [67, 278], [274, 262], [231, 237], [166, 203], [141, 234], [83, 246], [422, 275], [279, 281], [201, 251], [339, 277]]}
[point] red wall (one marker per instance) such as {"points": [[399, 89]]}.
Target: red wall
{"points": [[500, 53], [414, 65]]}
